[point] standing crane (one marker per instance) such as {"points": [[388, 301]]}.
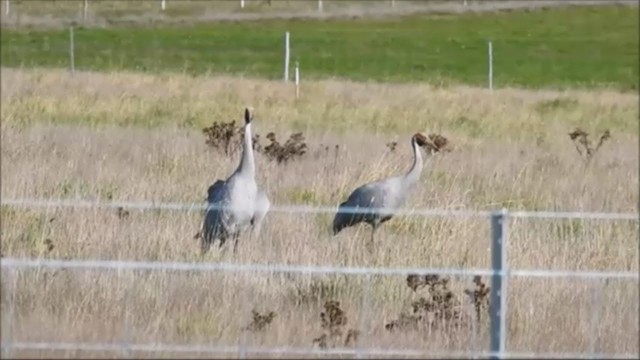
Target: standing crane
{"points": [[236, 203], [374, 203]]}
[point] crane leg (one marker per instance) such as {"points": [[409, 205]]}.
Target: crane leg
{"points": [[371, 243], [235, 243]]}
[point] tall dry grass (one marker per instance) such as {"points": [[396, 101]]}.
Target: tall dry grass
{"points": [[134, 137]]}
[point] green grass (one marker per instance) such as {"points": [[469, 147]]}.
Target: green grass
{"points": [[561, 47]]}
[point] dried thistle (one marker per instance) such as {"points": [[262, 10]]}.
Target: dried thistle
{"points": [[321, 341], [223, 136], [437, 143], [479, 296], [352, 337], [415, 281], [439, 307], [122, 213], [404, 322], [294, 147], [583, 145], [49, 244], [333, 319], [259, 322]]}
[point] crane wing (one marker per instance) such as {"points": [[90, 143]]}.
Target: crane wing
{"points": [[216, 192], [212, 227]]}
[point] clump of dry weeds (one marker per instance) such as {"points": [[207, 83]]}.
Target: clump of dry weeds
{"points": [[223, 136], [479, 296], [259, 322], [584, 146], [438, 143], [228, 138], [440, 309], [294, 147], [48, 243], [122, 213], [333, 321]]}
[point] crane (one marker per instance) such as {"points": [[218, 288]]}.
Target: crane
{"points": [[236, 203], [374, 203]]}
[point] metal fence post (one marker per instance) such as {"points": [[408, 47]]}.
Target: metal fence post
{"points": [[498, 283]]}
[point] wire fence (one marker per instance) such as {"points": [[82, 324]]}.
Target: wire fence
{"points": [[440, 54], [93, 11], [500, 273]]}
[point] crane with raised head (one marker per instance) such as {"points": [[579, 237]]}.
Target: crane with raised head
{"points": [[375, 202], [236, 203]]}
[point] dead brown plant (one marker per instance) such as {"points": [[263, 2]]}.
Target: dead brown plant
{"points": [[259, 322], [333, 321], [583, 145], [294, 147]]}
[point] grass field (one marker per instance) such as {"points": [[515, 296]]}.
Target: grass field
{"points": [[510, 148], [561, 47]]}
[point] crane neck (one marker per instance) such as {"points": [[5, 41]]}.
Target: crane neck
{"points": [[414, 172], [247, 162]]}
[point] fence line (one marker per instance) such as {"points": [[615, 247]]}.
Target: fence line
{"points": [[217, 349], [500, 271], [425, 212], [16, 263]]}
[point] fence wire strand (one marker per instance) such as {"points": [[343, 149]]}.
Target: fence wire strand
{"points": [[219, 349], [298, 209]]}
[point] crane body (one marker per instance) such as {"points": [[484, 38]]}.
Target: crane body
{"points": [[236, 203], [375, 202]]}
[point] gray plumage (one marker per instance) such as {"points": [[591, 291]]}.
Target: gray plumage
{"points": [[237, 203], [373, 203]]}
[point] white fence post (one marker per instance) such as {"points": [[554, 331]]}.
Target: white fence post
{"points": [[72, 65], [7, 6], [490, 65], [241, 4], [320, 8], [393, 3], [85, 9], [297, 75], [286, 56], [163, 4], [498, 283]]}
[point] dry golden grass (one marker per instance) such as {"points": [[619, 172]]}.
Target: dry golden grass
{"points": [[66, 137]]}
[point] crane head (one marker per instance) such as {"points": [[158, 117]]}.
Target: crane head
{"points": [[248, 115], [420, 139], [433, 143]]}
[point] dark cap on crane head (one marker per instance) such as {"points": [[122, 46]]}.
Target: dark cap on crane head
{"points": [[420, 139], [248, 115]]}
